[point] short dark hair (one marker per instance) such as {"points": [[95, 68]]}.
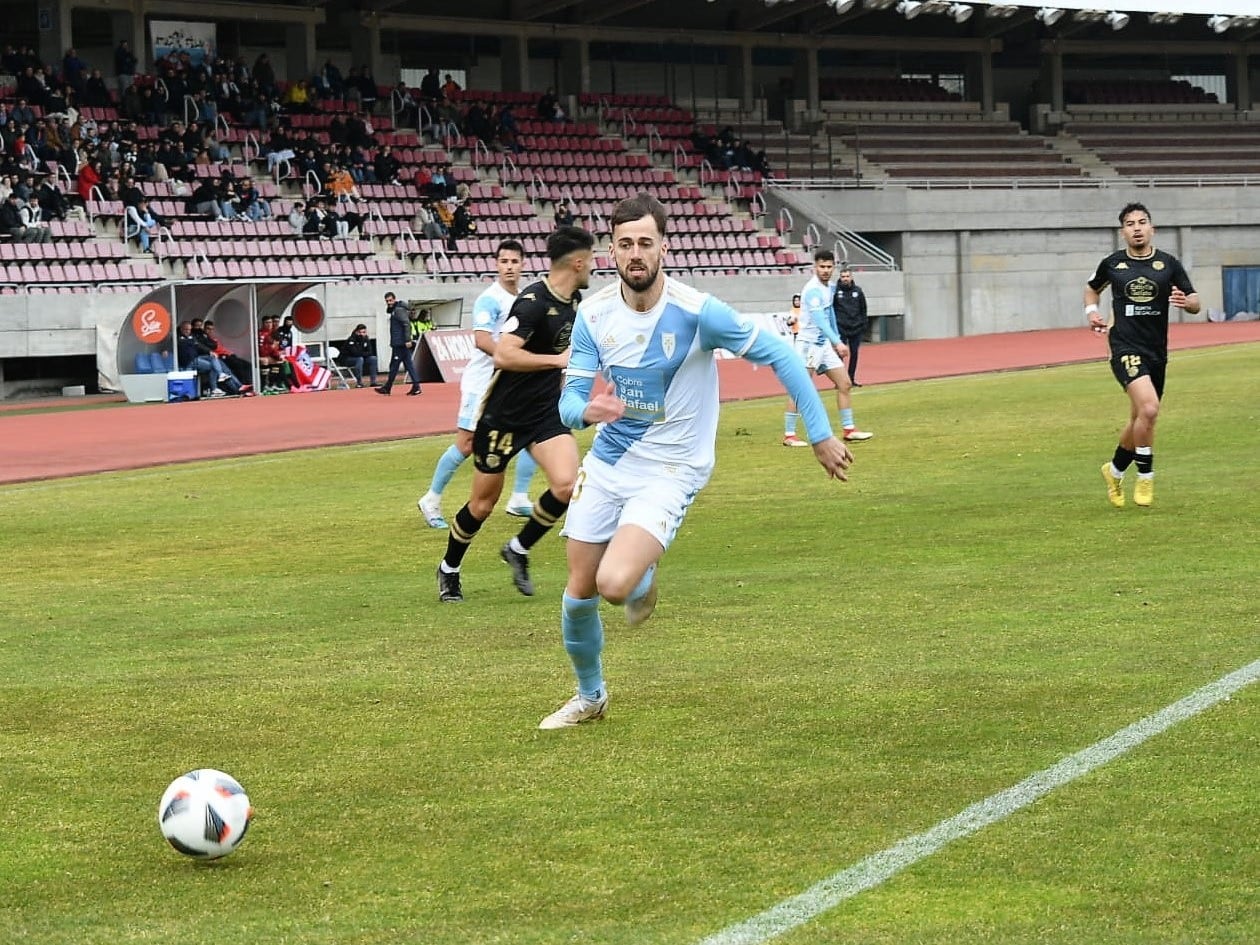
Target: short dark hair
{"points": [[824, 255], [638, 207], [360, 327], [1135, 208], [568, 239], [512, 246]]}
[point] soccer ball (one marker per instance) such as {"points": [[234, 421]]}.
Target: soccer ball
{"points": [[204, 814]]}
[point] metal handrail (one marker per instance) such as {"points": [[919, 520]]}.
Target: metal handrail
{"points": [[1018, 183]]}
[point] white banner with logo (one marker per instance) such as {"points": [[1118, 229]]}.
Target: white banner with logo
{"points": [[181, 36]]}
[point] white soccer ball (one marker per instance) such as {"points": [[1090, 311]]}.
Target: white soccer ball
{"points": [[205, 814]]}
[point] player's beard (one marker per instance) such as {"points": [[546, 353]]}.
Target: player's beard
{"points": [[640, 283]]}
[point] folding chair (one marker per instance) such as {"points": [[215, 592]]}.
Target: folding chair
{"points": [[342, 373]]}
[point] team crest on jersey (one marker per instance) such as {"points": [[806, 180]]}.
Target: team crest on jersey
{"points": [[608, 341], [668, 343], [551, 312], [1157, 265], [1122, 265], [1141, 290]]}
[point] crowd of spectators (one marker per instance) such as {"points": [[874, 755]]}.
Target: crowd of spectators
{"points": [[725, 151]]}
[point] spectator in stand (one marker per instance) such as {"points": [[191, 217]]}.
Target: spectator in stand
{"points": [[140, 224], [563, 215], [336, 130], [507, 133], [450, 186], [431, 226], [279, 148], [204, 200], [225, 193], [124, 66], [207, 110], [297, 217], [329, 83], [462, 224], [360, 168], [319, 222], [95, 91], [407, 112], [341, 186], [89, 176], [15, 224], [477, 123], [227, 95], [424, 179], [152, 106], [299, 99], [367, 89], [437, 182], [386, 166], [73, 70], [450, 88], [265, 75], [549, 107], [358, 353], [359, 132], [52, 202], [131, 105], [251, 202], [430, 87]]}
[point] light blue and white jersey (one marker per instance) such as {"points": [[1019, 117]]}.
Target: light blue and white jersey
{"points": [[490, 311], [817, 324], [663, 365]]}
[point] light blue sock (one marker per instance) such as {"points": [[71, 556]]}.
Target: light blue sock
{"points": [[584, 642], [525, 466], [644, 583], [451, 460], [846, 418], [789, 424]]}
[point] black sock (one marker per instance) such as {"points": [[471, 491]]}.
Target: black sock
{"points": [[462, 532], [547, 511], [1123, 457], [1145, 463]]}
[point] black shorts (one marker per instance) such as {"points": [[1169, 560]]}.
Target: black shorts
{"points": [[492, 447], [1129, 367]]}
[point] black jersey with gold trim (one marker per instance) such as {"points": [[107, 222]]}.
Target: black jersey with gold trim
{"points": [[519, 399], [1140, 289]]}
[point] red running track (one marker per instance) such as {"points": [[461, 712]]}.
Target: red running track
{"points": [[72, 442]]}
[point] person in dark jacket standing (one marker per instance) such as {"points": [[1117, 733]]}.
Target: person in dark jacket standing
{"points": [[851, 320], [401, 346]]}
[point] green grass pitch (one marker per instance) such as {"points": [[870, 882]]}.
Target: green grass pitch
{"points": [[832, 667]]}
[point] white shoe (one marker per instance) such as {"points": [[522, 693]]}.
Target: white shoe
{"points": [[638, 611], [791, 439], [520, 506], [576, 711], [430, 507], [853, 434]]}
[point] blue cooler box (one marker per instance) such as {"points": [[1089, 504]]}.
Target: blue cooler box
{"points": [[182, 385]]}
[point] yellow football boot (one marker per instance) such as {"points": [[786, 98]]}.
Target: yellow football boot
{"points": [[1115, 486], [1144, 492]]}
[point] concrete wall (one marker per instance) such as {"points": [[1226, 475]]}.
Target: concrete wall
{"points": [[984, 261]]}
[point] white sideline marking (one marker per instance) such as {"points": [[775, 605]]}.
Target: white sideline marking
{"points": [[881, 866]]}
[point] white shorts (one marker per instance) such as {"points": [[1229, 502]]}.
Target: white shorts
{"points": [[818, 358], [470, 406], [654, 496]]}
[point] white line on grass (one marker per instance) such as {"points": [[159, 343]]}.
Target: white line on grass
{"points": [[881, 866]]}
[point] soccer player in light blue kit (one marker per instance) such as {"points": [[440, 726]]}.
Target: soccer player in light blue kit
{"points": [[490, 311], [650, 342], [819, 345]]}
